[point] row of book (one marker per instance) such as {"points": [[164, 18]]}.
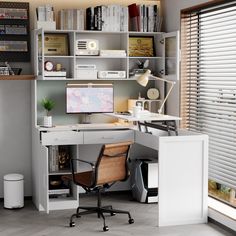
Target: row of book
{"points": [[143, 18], [72, 19]]}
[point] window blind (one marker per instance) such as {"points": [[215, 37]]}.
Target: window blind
{"points": [[208, 84]]}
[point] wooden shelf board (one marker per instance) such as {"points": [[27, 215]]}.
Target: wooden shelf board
{"points": [[17, 77]]}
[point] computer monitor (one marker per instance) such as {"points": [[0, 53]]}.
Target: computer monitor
{"points": [[89, 98]]}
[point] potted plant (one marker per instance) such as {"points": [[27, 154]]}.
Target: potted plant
{"points": [[48, 105]]}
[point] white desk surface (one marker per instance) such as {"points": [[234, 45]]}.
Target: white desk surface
{"points": [[92, 126], [149, 116]]}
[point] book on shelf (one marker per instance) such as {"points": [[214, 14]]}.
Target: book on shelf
{"points": [[53, 159], [134, 24], [100, 18], [71, 19], [144, 18], [45, 13]]}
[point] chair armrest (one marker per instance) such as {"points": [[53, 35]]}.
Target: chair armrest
{"points": [[80, 160], [73, 160]]}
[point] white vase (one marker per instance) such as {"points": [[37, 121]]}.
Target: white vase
{"points": [[47, 121]]}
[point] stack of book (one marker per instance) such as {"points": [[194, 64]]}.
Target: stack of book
{"points": [[107, 18], [45, 18], [45, 13], [72, 19], [144, 18], [53, 160]]}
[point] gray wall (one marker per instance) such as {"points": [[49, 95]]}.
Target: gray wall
{"points": [[15, 131], [171, 22], [15, 109]]}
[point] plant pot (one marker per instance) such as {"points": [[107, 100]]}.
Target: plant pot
{"points": [[47, 121]]}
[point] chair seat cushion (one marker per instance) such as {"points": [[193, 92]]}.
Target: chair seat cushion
{"points": [[83, 179]]}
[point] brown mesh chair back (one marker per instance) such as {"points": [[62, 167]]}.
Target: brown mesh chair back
{"points": [[111, 164]]}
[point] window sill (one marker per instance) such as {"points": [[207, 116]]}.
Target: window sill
{"points": [[222, 208]]}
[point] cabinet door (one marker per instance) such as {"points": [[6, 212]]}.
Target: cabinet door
{"points": [[38, 62], [171, 55]]}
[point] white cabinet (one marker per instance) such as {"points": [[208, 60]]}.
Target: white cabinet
{"points": [[106, 41], [52, 151], [164, 63], [183, 176]]}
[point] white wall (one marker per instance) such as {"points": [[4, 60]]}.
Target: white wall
{"points": [[15, 108], [171, 22]]}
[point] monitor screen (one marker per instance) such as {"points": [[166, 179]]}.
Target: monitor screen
{"points": [[89, 98]]}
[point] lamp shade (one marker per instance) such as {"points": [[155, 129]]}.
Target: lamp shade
{"points": [[143, 79]]}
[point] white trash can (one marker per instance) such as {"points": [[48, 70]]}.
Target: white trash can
{"points": [[13, 191]]}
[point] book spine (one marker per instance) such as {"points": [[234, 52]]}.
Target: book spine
{"points": [[126, 19], [81, 21], [104, 18], [74, 22], [90, 18], [99, 18], [156, 18], [41, 13], [133, 17], [95, 18]]}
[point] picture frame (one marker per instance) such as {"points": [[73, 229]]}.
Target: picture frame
{"points": [[56, 44], [141, 46]]}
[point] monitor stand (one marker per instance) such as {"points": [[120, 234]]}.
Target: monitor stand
{"points": [[86, 118]]}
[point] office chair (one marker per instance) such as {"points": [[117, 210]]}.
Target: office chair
{"points": [[111, 166]]}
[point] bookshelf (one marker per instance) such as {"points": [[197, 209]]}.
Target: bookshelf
{"points": [[54, 88]]}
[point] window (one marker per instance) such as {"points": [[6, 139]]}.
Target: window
{"points": [[208, 88]]}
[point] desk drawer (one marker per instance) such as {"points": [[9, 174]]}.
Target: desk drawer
{"points": [[62, 138], [96, 137]]}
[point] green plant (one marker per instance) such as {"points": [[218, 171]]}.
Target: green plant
{"points": [[47, 104]]}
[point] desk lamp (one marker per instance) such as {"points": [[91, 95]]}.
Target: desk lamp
{"points": [[143, 80]]}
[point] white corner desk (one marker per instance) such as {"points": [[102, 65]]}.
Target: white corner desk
{"points": [[182, 158]]}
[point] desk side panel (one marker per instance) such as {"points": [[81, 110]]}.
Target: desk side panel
{"points": [[183, 178], [39, 173]]}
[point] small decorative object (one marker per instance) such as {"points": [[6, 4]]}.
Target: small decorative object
{"points": [[48, 65], [141, 46], [64, 158], [153, 93], [48, 105]]}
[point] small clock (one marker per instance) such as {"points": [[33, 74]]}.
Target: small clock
{"points": [[48, 66], [153, 93]]}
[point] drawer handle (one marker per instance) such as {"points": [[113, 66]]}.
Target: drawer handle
{"points": [[59, 139], [107, 138]]}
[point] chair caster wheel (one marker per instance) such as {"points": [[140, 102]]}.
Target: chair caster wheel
{"points": [[105, 228], [131, 221], [72, 224], [113, 214]]}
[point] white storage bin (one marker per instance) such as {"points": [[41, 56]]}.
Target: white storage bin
{"points": [[13, 191]]}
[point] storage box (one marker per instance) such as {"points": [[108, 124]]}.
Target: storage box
{"points": [[46, 25]]}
